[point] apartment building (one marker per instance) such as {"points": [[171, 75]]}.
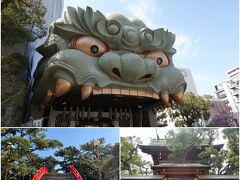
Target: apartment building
{"points": [[228, 90]]}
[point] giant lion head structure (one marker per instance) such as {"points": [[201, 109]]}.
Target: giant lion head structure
{"points": [[104, 71]]}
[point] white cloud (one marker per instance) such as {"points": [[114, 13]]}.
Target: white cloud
{"points": [[186, 45], [145, 10], [204, 79], [149, 11]]}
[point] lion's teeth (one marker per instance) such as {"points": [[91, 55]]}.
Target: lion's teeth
{"points": [[128, 92], [165, 99], [86, 92], [178, 97], [62, 86], [45, 100]]}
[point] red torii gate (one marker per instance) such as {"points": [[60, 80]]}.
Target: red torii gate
{"points": [[75, 172], [43, 170]]}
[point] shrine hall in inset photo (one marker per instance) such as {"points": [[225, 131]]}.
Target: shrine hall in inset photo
{"points": [[180, 154]]}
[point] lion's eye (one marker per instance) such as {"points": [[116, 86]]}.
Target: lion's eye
{"points": [[159, 57], [89, 45], [94, 49], [159, 60]]}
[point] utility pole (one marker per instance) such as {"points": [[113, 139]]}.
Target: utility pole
{"points": [[96, 144]]}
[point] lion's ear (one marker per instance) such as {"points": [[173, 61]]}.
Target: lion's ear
{"points": [[47, 51]]}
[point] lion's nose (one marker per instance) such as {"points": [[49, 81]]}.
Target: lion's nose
{"points": [[128, 67], [116, 72]]}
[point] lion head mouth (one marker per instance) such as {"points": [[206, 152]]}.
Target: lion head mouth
{"points": [[104, 106], [120, 103]]}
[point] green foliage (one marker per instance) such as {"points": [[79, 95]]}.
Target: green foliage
{"points": [[111, 165], [162, 115], [180, 142], [50, 162], [22, 20], [186, 114], [191, 110], [232, 152], [13, 84], [161, 118], [20, 157], [225, 161], [85, 159], [70, 156], [131, 161], [14, 89], [18, 152], [13, 64], [212, 157], [179, 123]]}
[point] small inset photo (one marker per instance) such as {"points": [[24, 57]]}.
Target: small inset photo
{"points": [[60, 153], [179, 153]]}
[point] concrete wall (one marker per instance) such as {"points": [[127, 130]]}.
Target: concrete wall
{"points": [[191, 87]]}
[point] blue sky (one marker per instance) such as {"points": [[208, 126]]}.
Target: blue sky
{"points": [[78, 136], [206, 32]]}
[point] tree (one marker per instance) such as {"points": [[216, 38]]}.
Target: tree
{"points": [[85, 159], [70, 156], [131, 161], [111, 165], [211, 156], [50, 162], [18, 150], [191, 110], [162, 118], [180, 142], [13, 84], [222, 116], [143, 167], [21, 159], [22, 20], [179, 123], [232, 153], [225, 161], [89, 161]]}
